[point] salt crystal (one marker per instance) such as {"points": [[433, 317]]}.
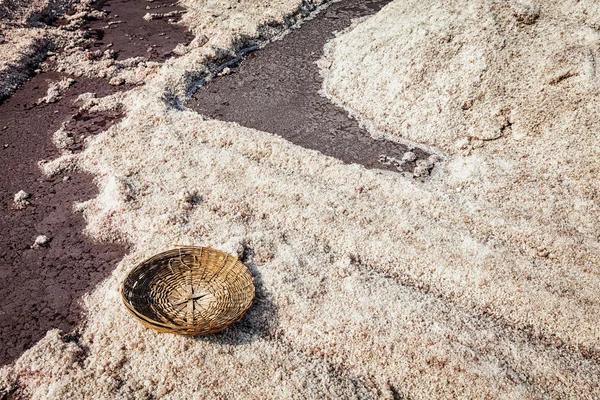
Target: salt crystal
{"points": [[409, 156], [41, 240], [20, 199]]}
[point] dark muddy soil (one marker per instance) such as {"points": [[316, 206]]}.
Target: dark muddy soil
{"points": [[276, 89], [125, 30], [41, 287]]}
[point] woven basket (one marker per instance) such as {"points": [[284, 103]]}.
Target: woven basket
{"points": [[189, 291]]}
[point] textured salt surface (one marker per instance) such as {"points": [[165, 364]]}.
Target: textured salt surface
{"points": [[510, 90], [115, 31], [25, 38], [19, 55], [371, 285], [481, 71], [276, 89], [27, 13]]}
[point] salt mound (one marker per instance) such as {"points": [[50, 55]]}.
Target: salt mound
{"points": [[481, 283], [20, 51], [27, 13], [435, 72]]}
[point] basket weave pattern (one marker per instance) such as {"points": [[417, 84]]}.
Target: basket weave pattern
{"points": [[189, 291]]}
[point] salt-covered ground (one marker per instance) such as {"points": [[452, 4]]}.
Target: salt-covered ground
{"points": [[480, 283], [25, 37]]}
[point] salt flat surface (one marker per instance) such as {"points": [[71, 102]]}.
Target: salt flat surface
{"points": [[481, 283]]}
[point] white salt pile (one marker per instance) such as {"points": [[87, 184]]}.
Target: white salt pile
{"points": [[55, 90], [21, 199], [481, 283], [40, 241], [25, 39]]}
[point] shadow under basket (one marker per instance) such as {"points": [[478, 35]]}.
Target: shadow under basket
{"points": [[189, 291]]}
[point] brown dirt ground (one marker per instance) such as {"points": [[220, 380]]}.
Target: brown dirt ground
{"points": [[136, 37], [41, 288]]}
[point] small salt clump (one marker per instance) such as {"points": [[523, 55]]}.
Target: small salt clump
{"points": [[55, 90], [21, 199], [80, 206], [86, 100], [62, 139], [116, 81], [225, 71], [385, 160], [41, 241], [409, 156], [422, 169]]}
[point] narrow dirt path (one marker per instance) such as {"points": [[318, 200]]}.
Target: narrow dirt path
{"points": [[41, 287], [276, 89]]}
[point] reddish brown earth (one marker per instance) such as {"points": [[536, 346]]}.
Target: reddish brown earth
{"points": [[41, 288], [136, 37]]}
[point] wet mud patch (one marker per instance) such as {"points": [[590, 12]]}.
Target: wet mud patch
{"points": [[276, 89], [41, 287], [43, 284], [125, 30]]}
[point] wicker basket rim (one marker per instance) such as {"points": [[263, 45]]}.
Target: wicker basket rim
{"points": [[174, 328]]}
